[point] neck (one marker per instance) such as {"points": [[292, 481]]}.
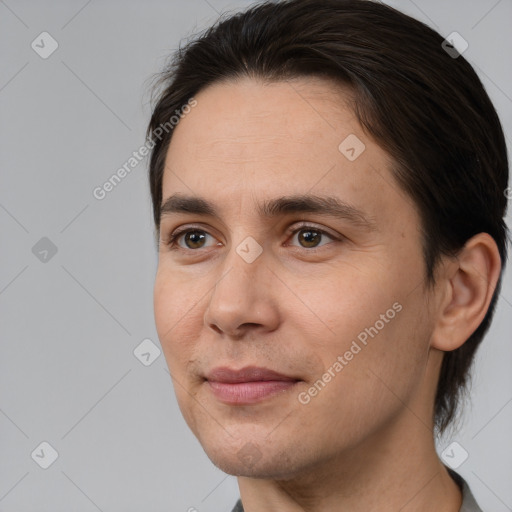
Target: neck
{"points": [[395, 469]]}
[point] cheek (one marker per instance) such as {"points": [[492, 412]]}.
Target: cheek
{"points": [[164, 305], [375, 377], [373, 322], [174, 298], [389, 368], [344, 304], [175, 308]]}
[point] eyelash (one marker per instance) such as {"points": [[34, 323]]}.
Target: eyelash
{"points": [[173, 238]]}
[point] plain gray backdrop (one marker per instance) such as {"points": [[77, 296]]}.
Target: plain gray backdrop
{"points": [[76, 272]]}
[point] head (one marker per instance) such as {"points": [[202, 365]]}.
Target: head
{"points": [[356, 103]]}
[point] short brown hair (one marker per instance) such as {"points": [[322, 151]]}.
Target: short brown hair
{"points": [[428, 110]]}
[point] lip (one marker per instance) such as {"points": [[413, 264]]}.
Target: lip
{"points": [[248, 385], [247, 374]]}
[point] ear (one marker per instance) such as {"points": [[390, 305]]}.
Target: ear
{"points": [[466, 285]]}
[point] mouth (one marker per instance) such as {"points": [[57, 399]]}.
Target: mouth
{"points": [[249, 385]]}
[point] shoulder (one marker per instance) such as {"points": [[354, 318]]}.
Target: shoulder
{"points": [[238, 507], [469, 504]]}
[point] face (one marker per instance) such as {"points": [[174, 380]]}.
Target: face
{"points": [[333, 299]]}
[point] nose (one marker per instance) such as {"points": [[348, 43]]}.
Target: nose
{"points": [[244, 297]]}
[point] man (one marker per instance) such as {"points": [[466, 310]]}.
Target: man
{"points": [[329, 211]]}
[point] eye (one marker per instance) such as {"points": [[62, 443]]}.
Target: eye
{"points": [[310, 236], [192, 238]]}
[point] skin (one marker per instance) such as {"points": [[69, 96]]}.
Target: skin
{"points": [[365, 441]]}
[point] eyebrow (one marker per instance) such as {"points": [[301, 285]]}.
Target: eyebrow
{"points": [[305, 203]]}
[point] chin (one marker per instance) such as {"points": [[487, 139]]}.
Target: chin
{"points": [[251, 460]]}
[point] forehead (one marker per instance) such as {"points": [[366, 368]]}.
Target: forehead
{"points": [[287, 137], [249, 118]]}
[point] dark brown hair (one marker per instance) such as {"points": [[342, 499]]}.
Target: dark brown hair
{"points": [[428, 110]]}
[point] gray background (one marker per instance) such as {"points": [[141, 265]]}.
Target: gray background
{"points": [[70, 324]]}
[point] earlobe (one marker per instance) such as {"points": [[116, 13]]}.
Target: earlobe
{"points": [[469, 282]]}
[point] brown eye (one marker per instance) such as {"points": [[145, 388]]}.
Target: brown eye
{"points": [[194, 239], [310, 237], [188, 239]]}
